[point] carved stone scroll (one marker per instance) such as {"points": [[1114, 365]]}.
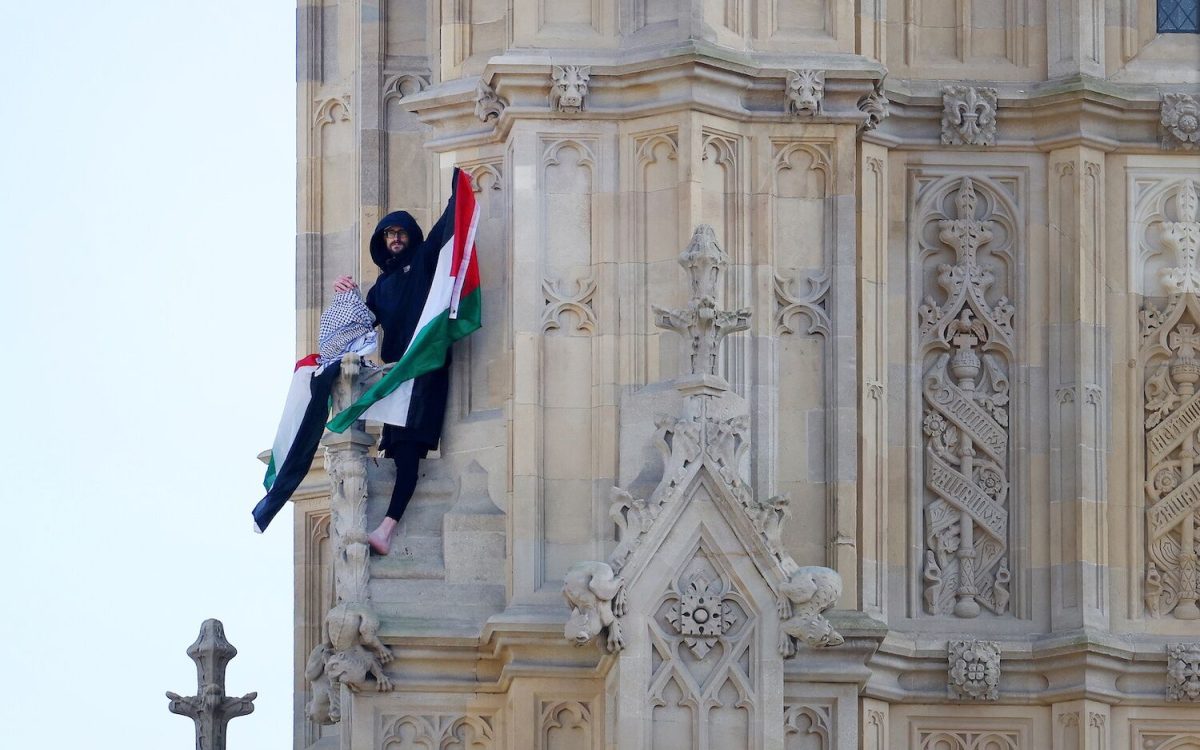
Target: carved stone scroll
{"points": [[966, 336]]}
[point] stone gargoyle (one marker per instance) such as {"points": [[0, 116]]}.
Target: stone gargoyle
{"points": [[351, 651], [808, 592], [597, 598]]}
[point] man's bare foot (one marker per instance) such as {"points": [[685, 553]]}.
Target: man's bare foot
{"points": [[381, 538]]}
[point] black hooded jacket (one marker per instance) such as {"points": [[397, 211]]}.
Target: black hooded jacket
{"points": [[397, 299]]}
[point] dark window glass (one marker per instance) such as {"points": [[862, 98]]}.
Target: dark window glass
{"points": [[1178, 16]]}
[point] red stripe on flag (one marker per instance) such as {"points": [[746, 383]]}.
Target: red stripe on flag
{"points": [[464, 267], [309, 361]]}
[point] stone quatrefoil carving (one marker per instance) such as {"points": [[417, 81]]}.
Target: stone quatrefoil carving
{"points": [[968, 116], [966, 335], [1171, 356]]}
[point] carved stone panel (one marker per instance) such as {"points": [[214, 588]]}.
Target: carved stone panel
{"points": [[966, 343], [704, 639], [1170, 344]]}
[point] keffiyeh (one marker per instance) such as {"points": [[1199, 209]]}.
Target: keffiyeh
{"points": [[347, 327]]}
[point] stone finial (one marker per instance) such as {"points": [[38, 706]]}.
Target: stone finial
{"points": [[596, 597], [804, 91], [210, 708], [488, 105], [1183, 671], [1180, 117], [875, 106], [701, 321], [968, 116], [974, 671], [568, 87]]}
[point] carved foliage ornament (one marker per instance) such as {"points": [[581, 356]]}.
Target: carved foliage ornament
{"points": [[1183, 671], [966, 336], [805, 92], [1171, 355], [568, 87], [968, 116], [974, 670], [1180, 117]]}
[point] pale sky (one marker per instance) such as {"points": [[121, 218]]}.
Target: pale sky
{"points": [[147, 206]]}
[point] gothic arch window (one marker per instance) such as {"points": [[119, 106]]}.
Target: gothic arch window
{"points": [[1178, 16]]}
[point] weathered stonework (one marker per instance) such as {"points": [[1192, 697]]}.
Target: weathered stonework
{"points": [[933, 390], [969, 116]]}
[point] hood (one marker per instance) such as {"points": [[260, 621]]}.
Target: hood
{"points": [[404, 220]]}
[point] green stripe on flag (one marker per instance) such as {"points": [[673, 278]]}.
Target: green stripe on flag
{"points": [[426, 353], [269, 479]]}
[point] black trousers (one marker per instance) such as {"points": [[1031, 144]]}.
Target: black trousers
{"points": [[407, 457]]}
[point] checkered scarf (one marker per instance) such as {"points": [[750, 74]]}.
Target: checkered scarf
{"points": [[347, 327]]}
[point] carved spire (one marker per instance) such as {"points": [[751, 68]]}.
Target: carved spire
{"points": [[210, 708]]}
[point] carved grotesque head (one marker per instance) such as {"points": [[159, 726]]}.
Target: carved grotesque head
{"points": [[582, 626], [569, 84], [805, 90]]}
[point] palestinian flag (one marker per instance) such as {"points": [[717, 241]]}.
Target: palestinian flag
{"points": [[452, 310], [299, 435]]}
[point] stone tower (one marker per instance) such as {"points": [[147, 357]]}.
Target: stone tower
{"points": [[955, 247]]}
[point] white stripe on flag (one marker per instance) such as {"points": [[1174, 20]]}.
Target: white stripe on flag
{"points": [[299, 394], [392, 408]]}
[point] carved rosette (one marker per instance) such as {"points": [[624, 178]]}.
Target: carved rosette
{"points": [[974, 671], [968, 116], [1180, 118], [488, 105], [1183, 671], [966, 335], [1171, 356]]}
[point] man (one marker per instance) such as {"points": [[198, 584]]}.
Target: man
{"points": [[396, 300]]}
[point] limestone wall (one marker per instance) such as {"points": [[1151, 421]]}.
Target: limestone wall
{"points": [[965, 236]]}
